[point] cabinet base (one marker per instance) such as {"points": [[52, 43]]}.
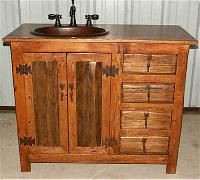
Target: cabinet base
{"points": [[125, 159], [63, 158], [104, 159]]}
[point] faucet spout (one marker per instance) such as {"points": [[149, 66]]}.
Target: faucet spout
{"points": [[72, 14]]}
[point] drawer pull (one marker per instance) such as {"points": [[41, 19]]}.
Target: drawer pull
{"points": [[148, 88], [144, 140], [146, 116], [62, 96], [149, 58], [62, 87]]}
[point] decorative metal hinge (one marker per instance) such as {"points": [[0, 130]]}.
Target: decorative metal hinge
{"points": [[110, 71], [23, 69], [109, 142], [27, 141], [6, 43]]}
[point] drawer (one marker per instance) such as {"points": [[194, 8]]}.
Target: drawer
{"points": [[152, 64], [142, 119], [143, 145], [151, 92]]}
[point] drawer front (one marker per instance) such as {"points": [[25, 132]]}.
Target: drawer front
{"points": [[152, 64], [151, 92], [142, 119], [140, 145]]}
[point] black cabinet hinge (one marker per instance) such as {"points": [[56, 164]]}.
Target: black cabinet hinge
{"points": [[27, 141], [110, 71], [109, 142], [6, 43], [23, 69]]}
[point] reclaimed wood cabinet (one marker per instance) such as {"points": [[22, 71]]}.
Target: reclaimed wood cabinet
{"points": [[110, 99], [46, 101], [88, 102]]}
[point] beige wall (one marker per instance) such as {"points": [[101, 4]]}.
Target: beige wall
{"points": [[185, 13]]}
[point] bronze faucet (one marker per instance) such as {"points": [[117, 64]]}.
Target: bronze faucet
{"points": [[72, 14]]}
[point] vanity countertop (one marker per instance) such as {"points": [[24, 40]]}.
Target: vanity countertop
{"points": [[171, 34]]}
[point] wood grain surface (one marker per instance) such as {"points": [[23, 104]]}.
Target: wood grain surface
{"points": [[94, 87], [89, 103], [177, 109], [20, 101], [145, 119], [139, 92], [144, 145], [108, 159], [151, 64]]}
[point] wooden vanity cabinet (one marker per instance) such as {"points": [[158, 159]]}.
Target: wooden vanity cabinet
{"points": [[109, 99]]}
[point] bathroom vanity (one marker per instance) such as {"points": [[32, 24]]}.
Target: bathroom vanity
{"points": [[116, 98]]}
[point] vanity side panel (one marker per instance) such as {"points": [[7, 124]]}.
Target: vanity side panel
{"points": [[177, 109], [20, 102]]}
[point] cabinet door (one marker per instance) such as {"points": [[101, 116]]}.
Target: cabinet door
{"points": [[46, 100], [88, 103]]}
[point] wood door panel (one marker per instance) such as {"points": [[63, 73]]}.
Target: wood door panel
{"points": [[52, 104], [47, 118], [89, 95], [89, 103], [39, 77], [45, 95]]}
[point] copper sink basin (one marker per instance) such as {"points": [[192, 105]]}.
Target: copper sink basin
{"points": [[78, 31]]}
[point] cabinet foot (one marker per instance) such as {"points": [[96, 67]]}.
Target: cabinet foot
{"points": [[26, 167], [171, 169], [24, 159]]}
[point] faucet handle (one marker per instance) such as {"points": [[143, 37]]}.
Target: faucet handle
{"points": [[91, 17], [95, 17], [57, 17], [54, 16]]}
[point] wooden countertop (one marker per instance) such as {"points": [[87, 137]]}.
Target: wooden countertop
{"points": [[117, 33]]}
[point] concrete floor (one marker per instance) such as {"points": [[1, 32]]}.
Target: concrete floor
{"points": [[188, 162]]}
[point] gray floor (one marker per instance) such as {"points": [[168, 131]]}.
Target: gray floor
{"points": [[188, 162]]}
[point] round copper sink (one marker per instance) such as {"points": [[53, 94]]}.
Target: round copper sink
{"points": [[77, 31]]}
